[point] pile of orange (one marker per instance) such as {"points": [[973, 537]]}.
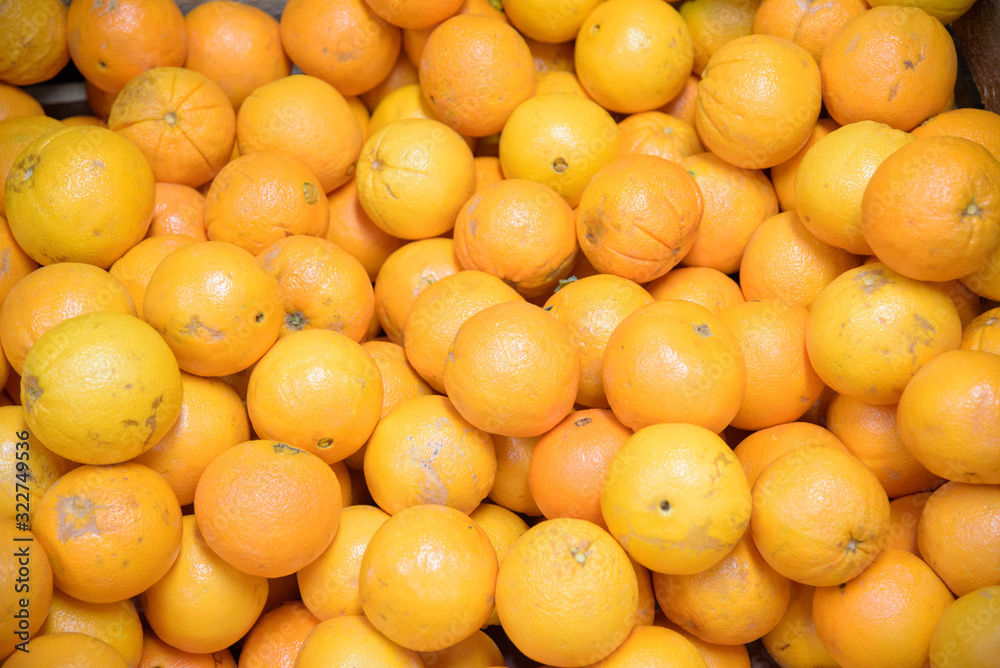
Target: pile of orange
{"points": [[612, 333]]}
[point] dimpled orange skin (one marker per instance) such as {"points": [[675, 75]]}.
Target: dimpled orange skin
{"points": [[895, 65], [591, 308], [702, 285], [866, 311], [983, 332], [793, 641], [268, 508], [427, 578], [513, 370], [15, 134], [39, 581], [67, 649], [651, 646], [959, 535], [819, 540], [123, 517], [676, 498], [758, 100], [733, 602], [105, 184], [217, 309], [567, 593], [474, 70], [674, 361], [979, 125], [33, 49], [318, 391], [424, 451], [862, 622], [353, 641], [638, 217], [759, 449]]}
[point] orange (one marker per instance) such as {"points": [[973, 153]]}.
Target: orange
{"points": [[867, 311], [235, 45], [979, 125], [872, 435], [413, 14], [759, 449], [63, 650], [181, 120], [134, 268], [440, 310], [424, 451], [566, 593], [492, 225], [947, 235], [339, 41], [329, 585], [959, 535], [439, 599], [712, 23], [819, 539], [638, 217], [985, 281], [203, 604], [966, 634], [656, 133], [861, 622], [654, 645], [343, 642], [781, 382], [513, 369], [550, 57], [415, 39], [158, 654], [968, 303], [488, 172], [551, 21], [560, 140], [734, 601], [904, 518], [474, 70], [674, 361], [948, 416], [793, 642], [783, 260], [478, 650], [106, 187], [214, 306], [783, 175], [15, 103], [15, 134], [212, 419], [676, 498], [810, 25], [758, 100], [403, 72], [31, 474], [112, 41], [736, 201], [260, 198], [110, 532], [276, 638], [267, 508], [320, 286], [633, 55], [178, 209], [832, 179], [33, 48], [981, 332], [53, 294], [24, 607], [569, 464], [289, 391], [591, 308], [304, 118], [354, 231], [715, 656], [413, 177], [702, 285], [98, 100], [510, 484], [503, 528], [100, 388], [894, 65], [683, 106], [405, 274]]}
